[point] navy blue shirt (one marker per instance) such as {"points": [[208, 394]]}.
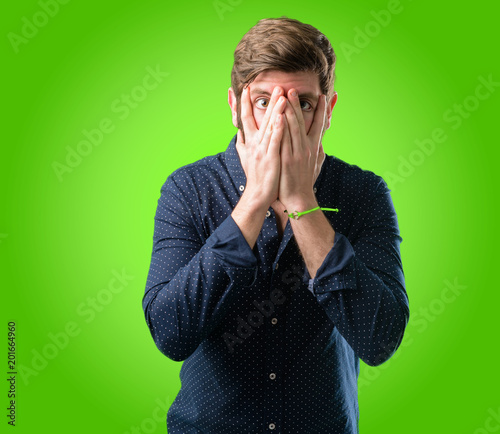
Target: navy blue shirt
{"points": [[266, 348]]}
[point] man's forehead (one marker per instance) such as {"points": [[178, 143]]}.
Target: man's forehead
{"points": [[306, 83]]}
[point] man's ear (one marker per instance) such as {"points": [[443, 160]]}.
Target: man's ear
{"points": [[231, 99], [329, 110]]}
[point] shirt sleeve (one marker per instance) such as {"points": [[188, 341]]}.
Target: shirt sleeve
{"points": [[361, 285], [191, 281]]}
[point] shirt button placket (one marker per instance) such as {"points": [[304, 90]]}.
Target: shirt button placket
{"points": [[274, 320], [274, 350]]}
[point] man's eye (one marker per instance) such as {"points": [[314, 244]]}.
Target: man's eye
{"points": [[264, 101], [308, 106]]}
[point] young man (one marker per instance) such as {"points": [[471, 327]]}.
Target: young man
{"points": [[275, 267]]}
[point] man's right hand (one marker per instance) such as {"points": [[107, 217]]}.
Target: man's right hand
{"points": [[260, 159]]}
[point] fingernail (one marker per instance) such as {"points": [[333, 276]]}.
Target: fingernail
{"points": [[294, 92], [277, 90]]}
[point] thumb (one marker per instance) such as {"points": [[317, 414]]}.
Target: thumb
{"points": [[321, 152], [319, 161]]}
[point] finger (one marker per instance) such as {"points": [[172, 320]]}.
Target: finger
{"points": [[319, 120], [294, 128], [295, 102], [286, 144], [277, 110], [275, 140], [247, 118], [277, 93]]}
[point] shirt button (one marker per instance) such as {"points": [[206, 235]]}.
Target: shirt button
{"points": [[242, 187], [272, 426], [315, 189], [268, 213], [272, 375], [274, 320]]}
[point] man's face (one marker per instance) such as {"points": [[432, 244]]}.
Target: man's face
{"points": [[305, 83]]}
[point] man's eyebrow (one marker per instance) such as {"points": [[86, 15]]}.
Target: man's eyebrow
{"points": [[260, 91]]}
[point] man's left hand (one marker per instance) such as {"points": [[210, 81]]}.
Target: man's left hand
{"points": [[302, 155]]}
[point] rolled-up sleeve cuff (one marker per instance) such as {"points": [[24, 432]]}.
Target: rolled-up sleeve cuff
{"points": [[232, 250], [338, 270]]}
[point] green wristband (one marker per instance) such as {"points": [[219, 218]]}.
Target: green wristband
{"points": [[296, 215]]}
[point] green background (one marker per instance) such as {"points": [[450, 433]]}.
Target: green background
{"points": [[63, 238]]}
